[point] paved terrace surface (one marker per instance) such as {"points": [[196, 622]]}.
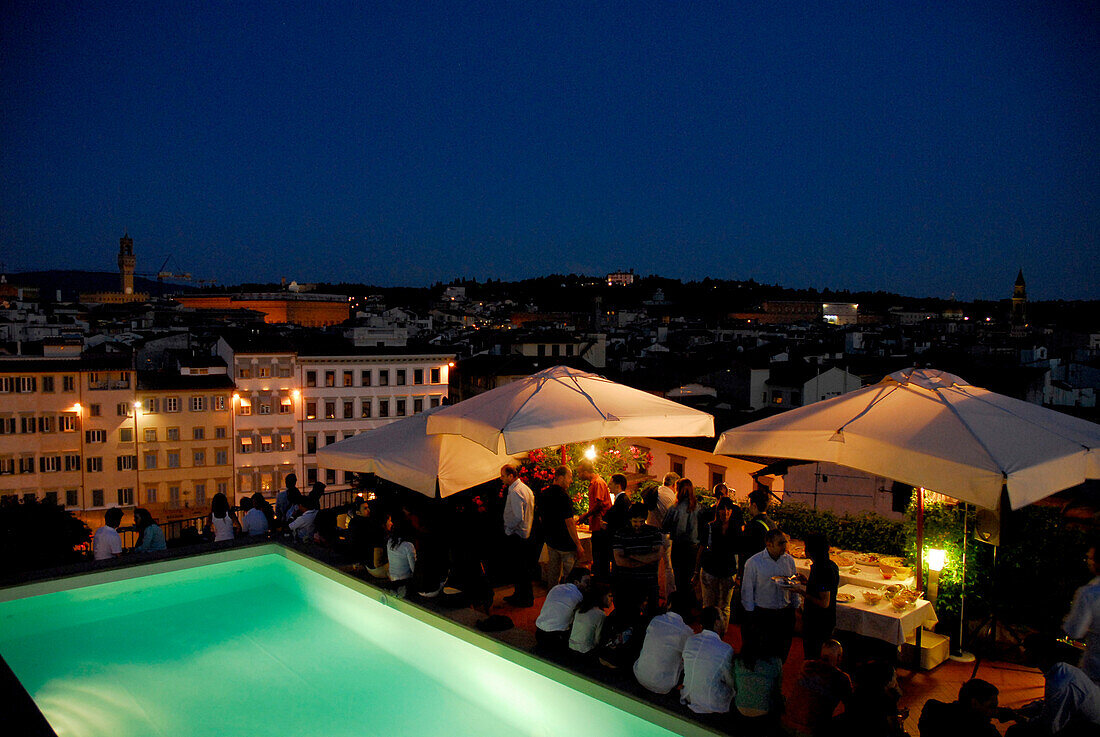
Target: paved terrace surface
{"points": [[1018, 685]]}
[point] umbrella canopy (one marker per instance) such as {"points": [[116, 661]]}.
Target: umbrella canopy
{"points": [[404, 453], [564, 405], [933, 429]]}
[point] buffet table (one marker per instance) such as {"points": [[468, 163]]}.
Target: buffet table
{"points": [[882, 621], [868, 576]]}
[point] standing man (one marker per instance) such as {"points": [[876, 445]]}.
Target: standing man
{"points": [[599, 502], [558, 522], [663, 500], [769, 606], [758, 526], [637, 550], [1083, 620], [819, 616], [106, 543], [519, 516]]}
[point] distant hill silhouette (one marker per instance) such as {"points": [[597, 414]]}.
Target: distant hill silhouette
{"points": [[72, 283]]}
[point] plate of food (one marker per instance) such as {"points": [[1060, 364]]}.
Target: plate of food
{"points": [[797, 550], [871, 597], [842, 560], [892, 560], [868, 559], [786, 582], [845, 598]]}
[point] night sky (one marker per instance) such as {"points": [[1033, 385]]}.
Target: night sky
{"points": [[923, 148]]}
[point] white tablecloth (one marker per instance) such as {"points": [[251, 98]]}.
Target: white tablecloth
{"points": [[882, 621], [868, 575]]}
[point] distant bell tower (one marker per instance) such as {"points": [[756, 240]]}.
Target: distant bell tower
{"points": [[1019, 304], [127, 261]]}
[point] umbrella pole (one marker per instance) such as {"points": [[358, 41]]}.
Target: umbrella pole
{"points": [[920, 538]]}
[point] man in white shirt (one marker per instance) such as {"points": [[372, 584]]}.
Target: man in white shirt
{"points": [[666, 500], [708, 669], [661, 661], [106, 543], [1083, 620], [255, 521], [770, 607], [555, 619], [519, 516]]}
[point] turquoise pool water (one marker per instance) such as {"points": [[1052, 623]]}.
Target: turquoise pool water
{"points": [[265, 645]]}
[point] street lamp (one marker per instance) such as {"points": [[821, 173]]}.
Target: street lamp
{"points": [[936, 560]]}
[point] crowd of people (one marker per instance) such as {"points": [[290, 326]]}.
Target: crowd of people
{"points": [[664, 581]]}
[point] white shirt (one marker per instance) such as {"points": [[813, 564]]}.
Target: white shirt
{"points": [[557, 611], [666, 500], [255, 522], [660, 663], [303, 525], [759, 590], [519, 510], [223, 527], [1068, 693], [708, 674], [586, 630], [402, 560], [1083, 621], [106, 543]]}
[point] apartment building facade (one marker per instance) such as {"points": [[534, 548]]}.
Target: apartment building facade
{"points": [[267, 434]]}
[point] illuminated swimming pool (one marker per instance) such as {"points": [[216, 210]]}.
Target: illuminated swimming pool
{"points": [[262, 640]]}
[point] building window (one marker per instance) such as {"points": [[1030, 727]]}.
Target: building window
{"points": [[200, 493], [173, 433], [330, 378], [199, 458], [66, 423], [330, 410], [95, 410], [173, 459], [95, 464], [284, 372], [286, 442], [72, 496], [311, 378], [97, 497], [418, 376], [198, 433], [245, 407], [122, 409], [45, 424], [364, 408], [219, 403], [311, 410], [364, 378], [717, 476], [384, 377], [330, 476], [246, 444], [221, 457], [400, 408], [286, 406], [68, 383], [676, 464], [265, 443], [311, 444], [7, 466], [150, 435], [418, 405], [311, 475], [7, 425], [330, 438], [198, 404], [125, 497], [28, 424], [26, 464], [49, 464], [174, 494], [244, 373], [95, 436], [383, 408], [126, 435], [150, 460], [435, 400], [25, 384], [223, 486], [47, 384], [219, 433], [265, 406], [72, 462], [151, 406], [349, 409], [126, 463], [171, 404], [150, 495], [263, 372], [400, 377], [349, 378], [435, 376]]}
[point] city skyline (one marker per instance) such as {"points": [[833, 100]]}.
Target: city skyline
{"points": [[918, 151]]}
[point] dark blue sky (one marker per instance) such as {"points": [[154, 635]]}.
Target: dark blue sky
{"points": [[915, 147]]}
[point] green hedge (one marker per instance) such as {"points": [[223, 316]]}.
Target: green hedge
{"points": [[864, 531]]}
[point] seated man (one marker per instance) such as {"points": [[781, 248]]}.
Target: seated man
{"points": [[106, 543], [708, 668], [970, 715], [820, 689], [555, 619], [660, 663], [1071, 700]]}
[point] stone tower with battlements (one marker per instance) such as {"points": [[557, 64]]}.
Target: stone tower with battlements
{"points": [[1018, 319], [126, 263]]}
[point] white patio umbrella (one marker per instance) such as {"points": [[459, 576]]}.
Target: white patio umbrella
{"points": [[563, 405], [933, 429], [404, 453]]}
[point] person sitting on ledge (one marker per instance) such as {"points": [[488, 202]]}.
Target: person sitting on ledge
{"points": [[106, 543], [555, 619], [660, 663], [708, 668], [150, 536]]}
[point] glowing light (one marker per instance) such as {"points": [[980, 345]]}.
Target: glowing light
{"points": [[296, 394], [936, 559], [451, 364], [77, 408], [590, 454], [236, 397], [137, 404]]}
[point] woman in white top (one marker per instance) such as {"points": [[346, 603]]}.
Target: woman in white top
{"points": [[221, 518], [588, 621], [401, 553]]}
